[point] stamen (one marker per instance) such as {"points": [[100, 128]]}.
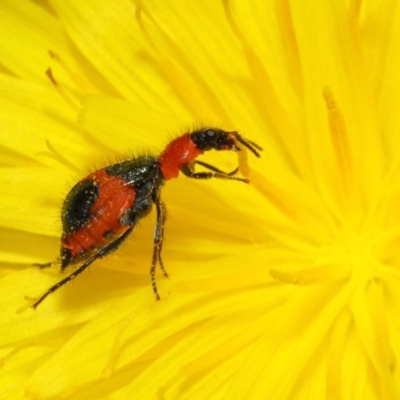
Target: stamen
{"points": [[340, 143], [242, 155], [30, 304], [82, 85], [50, 75], [244, 167], [387, 245], [354, 9], [257, 68], [383, 353], [200, 100], [4, 360], [337, 345], [281, 200], [55, 155], [61, 91], [139, 10], [110, 367], [266, 95], [313, 276], [370, 314], [291, 48]]}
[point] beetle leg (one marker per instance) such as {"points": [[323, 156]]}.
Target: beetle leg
{"points": [[45, 265], [215, 169], [158, 241], [101, 253], [188, 170]]}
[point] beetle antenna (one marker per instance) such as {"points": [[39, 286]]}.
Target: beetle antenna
{"points": [[253, 147]]}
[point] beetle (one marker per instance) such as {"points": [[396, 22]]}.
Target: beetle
{"points": [[103, 209]]}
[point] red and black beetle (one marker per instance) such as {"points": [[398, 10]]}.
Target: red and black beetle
{"points": [[102, 209]]}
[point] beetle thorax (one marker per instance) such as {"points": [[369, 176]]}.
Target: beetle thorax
{"points": [[179, 152]]}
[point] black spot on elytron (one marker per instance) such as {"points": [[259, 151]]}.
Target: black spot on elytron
{"points": [[77, 205]]}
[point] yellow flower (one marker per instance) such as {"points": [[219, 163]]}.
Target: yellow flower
{"points": [[283, 289]]}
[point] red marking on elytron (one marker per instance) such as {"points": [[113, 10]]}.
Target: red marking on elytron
{"points": [[179, 152], [114, 199]]}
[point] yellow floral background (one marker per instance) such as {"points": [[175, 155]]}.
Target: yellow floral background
{"points": [[287, 288]]}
